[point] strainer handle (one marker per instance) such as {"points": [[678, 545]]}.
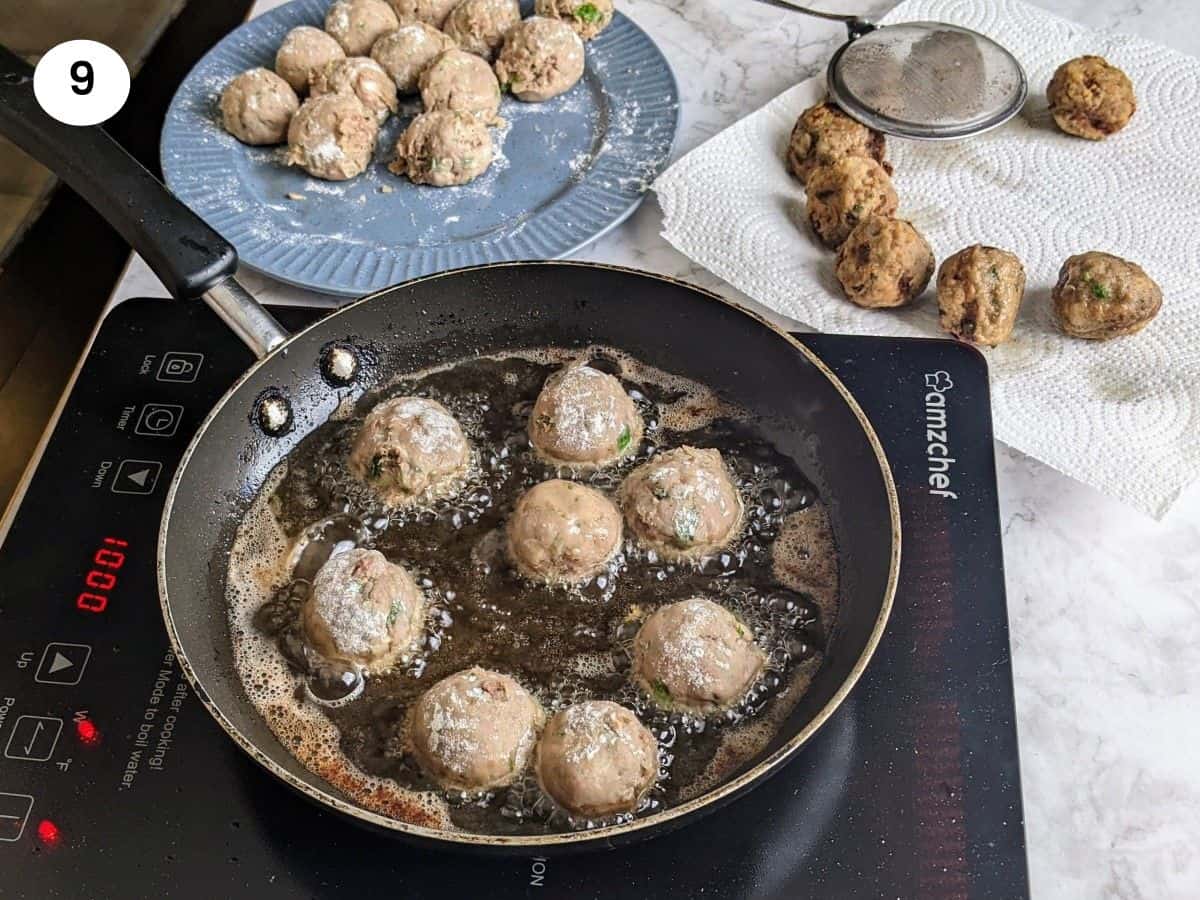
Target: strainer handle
{"points": [[855, 25]]}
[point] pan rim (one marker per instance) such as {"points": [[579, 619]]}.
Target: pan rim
{"points": [[578, 840]]}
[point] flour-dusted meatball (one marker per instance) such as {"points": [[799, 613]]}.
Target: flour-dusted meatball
{"points": [[884, 262], [1100, 296], [587, 17], [363, 609], [332, 137], [358, 24], [542, 58], [583, 417], [682, 503], [824, 134], [443, 148], [696, 656], [362, 77], [462, 82], [405, 52], [562, 532], [432, 12], [305, 51], [475, 730], [1091, 98], [979, 291], [596, 759], [257, 106], [844, 193], [479, 26], [410, 449]]}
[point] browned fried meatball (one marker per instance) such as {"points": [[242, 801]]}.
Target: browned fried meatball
{"points": [[357, 24], [305, 50], [596, 759], [1100, 296], [979, 291], [1091, 98], [257, 106], [695, 655], [824, 134], [884, 262], [844, 193], [563, 532], [584, 418]]}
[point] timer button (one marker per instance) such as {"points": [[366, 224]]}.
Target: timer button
{"points": [[63, 663], [159, 420]]}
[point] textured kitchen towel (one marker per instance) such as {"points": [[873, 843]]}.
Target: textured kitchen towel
{"points": [[1123, 416]]}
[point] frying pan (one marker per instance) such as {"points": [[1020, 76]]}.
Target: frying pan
{"points": [[803, 409]]}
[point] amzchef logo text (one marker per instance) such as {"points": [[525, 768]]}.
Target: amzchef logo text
{"points": [[937, 444]]}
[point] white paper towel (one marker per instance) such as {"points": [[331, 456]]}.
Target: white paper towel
{"points": [[1124, 415]]}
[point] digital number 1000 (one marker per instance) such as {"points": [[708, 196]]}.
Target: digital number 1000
{"points": [[102, 578]]}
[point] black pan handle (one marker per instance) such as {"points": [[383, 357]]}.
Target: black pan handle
{"points": [[184, 252]]}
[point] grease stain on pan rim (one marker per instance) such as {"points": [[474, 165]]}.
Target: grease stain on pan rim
{"points": [[583, 161], [596, 838]]}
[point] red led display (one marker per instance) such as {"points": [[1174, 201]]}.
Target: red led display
{"points": [[88, 732], [102, 579], [48, 833]]}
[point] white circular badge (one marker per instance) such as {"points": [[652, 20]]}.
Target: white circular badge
{"points": [[81, 82]]}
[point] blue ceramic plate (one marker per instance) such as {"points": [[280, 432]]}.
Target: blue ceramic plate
{"points": [[566, 171]]}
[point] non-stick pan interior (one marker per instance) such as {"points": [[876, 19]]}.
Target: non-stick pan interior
{"points": [[486, 310]]}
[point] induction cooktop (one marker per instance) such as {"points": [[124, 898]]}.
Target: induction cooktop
{"points": [[114, 781]]}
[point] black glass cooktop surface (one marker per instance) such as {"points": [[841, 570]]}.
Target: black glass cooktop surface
{"points": [[114, 781]]}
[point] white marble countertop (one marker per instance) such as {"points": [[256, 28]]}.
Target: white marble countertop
{"points": [[1104, 603]]}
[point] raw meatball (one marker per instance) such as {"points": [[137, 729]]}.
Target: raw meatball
{"points": [[475, 730], [257, 106], [363, 609], [358, 24], [542, 58], [682, 503], [1091, 98], [462, 82], [405, 52], [695, 655], [596, 759], [884, 262], [587, 17], [844, 193], [304, 52], [979, 291], [443, 148], [432, 12], [410, 449], [332, 137], [1100, 296], [824, 134], [362, 77], [479, 26], [583, 417], [563, 532]]}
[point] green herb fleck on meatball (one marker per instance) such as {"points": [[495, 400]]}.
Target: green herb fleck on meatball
{"points": [[624, 439], [1099, 291], [588, 13], [662, 696]]}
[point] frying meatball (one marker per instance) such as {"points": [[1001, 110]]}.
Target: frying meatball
{"points": [[583, 417], [443, 148], [844, 193], [257, 106], [362, 77], [596, 759], [462, 82], [696, 656], [682, 503], [587, 17], [405, 52], [824, 134], [1100, 296], [1091, 98], [357, 24], [432, 12], [979, 291], [479, 26], [332, 137], [563, 532], [884, 262], [363, 609], [410, 449], [475, 730], [542, 58], [304, 52]]}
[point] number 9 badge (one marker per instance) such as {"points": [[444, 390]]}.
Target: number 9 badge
{"points": [[81, 82]]}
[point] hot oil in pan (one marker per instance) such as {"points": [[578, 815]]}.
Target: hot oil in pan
{"points": [[564, 645]]}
